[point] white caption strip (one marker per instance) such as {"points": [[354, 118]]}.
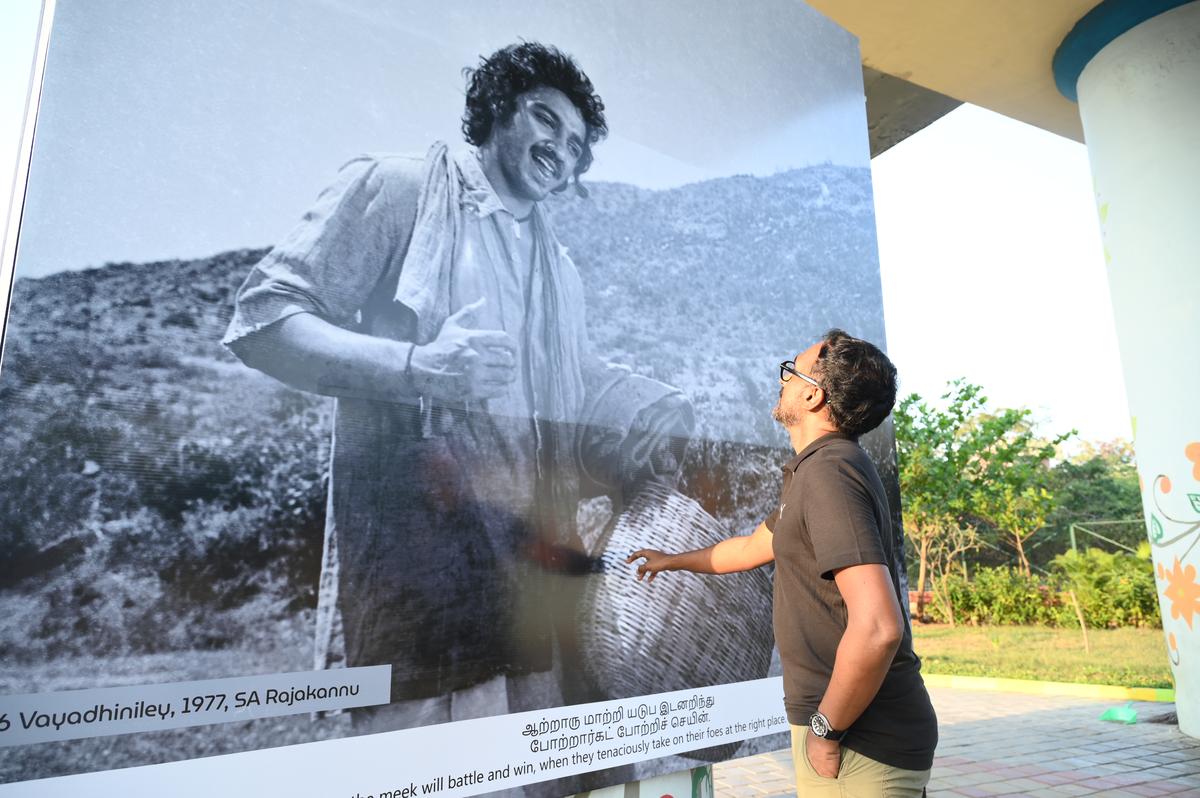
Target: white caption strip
{"points": [[72, 714], [457, 759]]}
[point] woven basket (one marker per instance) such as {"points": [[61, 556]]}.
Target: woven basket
{"points": [[682, 631]]}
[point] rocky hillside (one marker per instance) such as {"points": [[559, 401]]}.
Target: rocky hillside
{"points": [[154, 483]]}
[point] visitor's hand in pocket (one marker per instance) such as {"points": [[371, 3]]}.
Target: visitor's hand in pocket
{"points": [[824, 757]]}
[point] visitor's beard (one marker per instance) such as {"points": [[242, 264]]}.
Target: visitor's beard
{"points": [[786, 416]]}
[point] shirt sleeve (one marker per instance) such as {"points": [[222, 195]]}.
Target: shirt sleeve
{"points": [[330, 262], [772, 519], [840, 515]]}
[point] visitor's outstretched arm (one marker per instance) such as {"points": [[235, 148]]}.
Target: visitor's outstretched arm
{"points": [[739, 553]]}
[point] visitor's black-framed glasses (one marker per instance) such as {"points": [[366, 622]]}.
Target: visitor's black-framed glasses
{"points": [[788, 367]]}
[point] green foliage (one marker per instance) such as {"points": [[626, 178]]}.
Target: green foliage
{"points": [[1004, 595], [963, 467], [937, 448], [1098, 484], [1012, 480], [1114, 589]]}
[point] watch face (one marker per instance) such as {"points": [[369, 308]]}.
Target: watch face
{"points": [[819, 725]]}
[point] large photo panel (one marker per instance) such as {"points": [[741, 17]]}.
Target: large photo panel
{"points": [[353, 346]]}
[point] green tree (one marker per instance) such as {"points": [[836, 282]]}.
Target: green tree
{"points": [[962, 465], [945, 552], [937, 446], [1012, 479], [1098, 483]]}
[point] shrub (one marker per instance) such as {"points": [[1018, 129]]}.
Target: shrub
{"points": [[1002, 595], [1113, 588]]}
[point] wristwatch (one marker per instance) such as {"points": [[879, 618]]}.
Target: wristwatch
{"points": [[821, 727]]}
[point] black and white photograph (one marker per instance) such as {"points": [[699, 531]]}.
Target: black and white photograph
{"points": [[351, 333]]}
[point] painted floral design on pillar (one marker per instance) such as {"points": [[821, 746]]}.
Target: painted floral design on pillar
{"points": [[1180, 525], [1167, 528], [1192, 452], [1182, 591]]}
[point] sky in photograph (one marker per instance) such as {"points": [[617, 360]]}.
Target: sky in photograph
{"points": [[172, 130], [989, 245]]}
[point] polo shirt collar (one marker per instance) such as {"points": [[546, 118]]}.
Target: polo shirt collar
{"points": [[819, 443]]}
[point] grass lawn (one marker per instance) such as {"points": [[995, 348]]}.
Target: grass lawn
{"points": [[1121, 657]]}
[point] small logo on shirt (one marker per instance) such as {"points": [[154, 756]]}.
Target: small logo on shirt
{"points": [[781, 511]]}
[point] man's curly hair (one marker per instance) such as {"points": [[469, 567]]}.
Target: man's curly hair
{"points": [[859, 382], [493, 87]]}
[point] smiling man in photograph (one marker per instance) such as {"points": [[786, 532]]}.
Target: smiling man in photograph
{"points": [[432, 298], [862, 722]]}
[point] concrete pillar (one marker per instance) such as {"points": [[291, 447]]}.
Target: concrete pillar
{"points": [[1135, 65]]}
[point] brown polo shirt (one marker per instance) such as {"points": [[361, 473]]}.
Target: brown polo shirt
{"points": [[833, 513]]}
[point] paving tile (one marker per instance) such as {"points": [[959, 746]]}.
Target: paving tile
{"points": [[1016, 787], [1066, 752], [940, 761], [974, 779], [976, 792], [962, 779], [1108, 782], [1073, 789], [1182, 755], [1041, 746], [1162, 758], [1132, 777]]}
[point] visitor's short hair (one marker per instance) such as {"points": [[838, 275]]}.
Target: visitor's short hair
{"points": [[494, 85], [859, 382]]}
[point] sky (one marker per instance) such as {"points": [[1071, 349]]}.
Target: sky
{"points": [[990, 253], [992, 269]]}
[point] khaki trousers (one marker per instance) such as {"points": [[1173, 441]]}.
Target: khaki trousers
{"points": [[858, 776]]}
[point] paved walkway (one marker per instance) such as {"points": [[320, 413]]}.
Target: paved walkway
{"points": [[1022, 745]]}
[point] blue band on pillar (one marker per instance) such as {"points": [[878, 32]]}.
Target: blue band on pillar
{"points": [[1095, 30]]}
